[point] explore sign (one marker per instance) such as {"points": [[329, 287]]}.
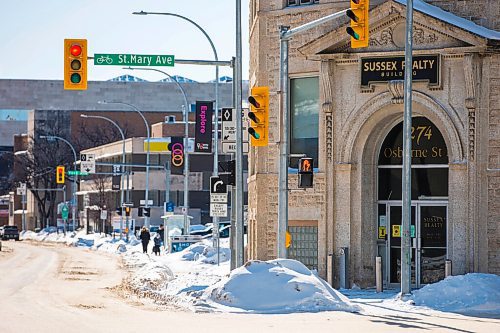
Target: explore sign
{"points": [[133, 60]]}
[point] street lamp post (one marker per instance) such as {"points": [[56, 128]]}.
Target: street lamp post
{"points": [[146, 198], [186, 138], [216, 141], [123, 166], [73, 206]]}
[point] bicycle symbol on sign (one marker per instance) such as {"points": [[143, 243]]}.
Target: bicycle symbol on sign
{"points": [[103, 59]]}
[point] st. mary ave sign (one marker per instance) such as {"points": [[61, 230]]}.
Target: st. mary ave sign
{"points": [[133, 60]]}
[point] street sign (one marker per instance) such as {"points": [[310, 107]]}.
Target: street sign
{"points": [[230, 147], [228, 125], [117, 169], [104, 214], [21, 190], [169, 207], [217, 185], [87, 167], [87, 163], [115, 183], [218, 209], [76, 173], [87, 157], [133, 59], [143, 202], [218, 197], [229, 131], [64, 212]]}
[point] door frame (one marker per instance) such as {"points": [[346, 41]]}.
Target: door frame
{"points": [[416, 243]]}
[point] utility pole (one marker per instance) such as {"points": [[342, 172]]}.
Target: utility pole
{"points": [[406, 186]]}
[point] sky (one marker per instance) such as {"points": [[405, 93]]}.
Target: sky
{"points": [[192, 278], [32, 34]]}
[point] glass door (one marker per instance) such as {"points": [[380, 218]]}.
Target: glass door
{"points": [[395, 214], [432, 247]]}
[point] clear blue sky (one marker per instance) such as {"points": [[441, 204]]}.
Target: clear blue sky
{"points": [[32, 34]]}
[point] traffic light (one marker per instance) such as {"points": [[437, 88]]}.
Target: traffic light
{"points": [[147, 211], [306, 174], [259, 115], [119, 211], [358, 30], [75, 64], [60, 173], [140, 211], [127, 210]]}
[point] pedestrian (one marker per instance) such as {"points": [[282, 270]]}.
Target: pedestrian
{"points": [[161, 232], [145, 237], [156, 247]]}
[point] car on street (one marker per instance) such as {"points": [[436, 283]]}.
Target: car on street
{"points": [[9, 232]]}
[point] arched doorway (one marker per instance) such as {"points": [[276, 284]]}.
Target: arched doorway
{"points": [[429, 194]]}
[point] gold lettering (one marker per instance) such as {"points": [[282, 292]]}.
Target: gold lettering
{"points": [[431, 63], [366, 67]]}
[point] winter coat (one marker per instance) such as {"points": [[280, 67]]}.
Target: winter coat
{"points": [[157, 241], [145, 236]]}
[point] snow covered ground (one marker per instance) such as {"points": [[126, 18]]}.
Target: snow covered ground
{"points": [[192, 279]]}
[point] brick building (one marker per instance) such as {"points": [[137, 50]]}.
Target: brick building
{"points": [[346, 110]]}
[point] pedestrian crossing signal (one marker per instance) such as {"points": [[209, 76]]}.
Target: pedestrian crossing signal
{"points": [[306, 174]]}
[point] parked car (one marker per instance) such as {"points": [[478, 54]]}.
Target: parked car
{"points": [[10, 232]]}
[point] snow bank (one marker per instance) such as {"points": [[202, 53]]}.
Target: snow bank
{"points": [[472, 294], [206, 253], [152, 276], [276, 286]]}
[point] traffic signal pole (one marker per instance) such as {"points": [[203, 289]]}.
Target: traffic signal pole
{"points": [[406, 181], [285, 35]]}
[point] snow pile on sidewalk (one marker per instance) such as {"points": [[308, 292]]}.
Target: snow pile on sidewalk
{"points": [[206, 253], [473, 294], [275, 286]]}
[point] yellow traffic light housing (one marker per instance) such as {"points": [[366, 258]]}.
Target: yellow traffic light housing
{"points": [[359, 29], [259, 116], [60, 173], [75, 64]]}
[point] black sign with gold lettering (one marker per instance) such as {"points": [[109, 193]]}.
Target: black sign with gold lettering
{"points": [[428, 145], [383, 69]]}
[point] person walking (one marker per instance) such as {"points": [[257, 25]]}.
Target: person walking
{"points": [[156, 247], [145, 237]]}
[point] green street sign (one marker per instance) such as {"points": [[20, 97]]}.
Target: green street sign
{"points": [[133, 60], [65, 212], [76, 173]]}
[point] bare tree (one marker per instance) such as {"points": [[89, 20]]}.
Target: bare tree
{"points": [[94, 136], [104, 198], [39, 164]]}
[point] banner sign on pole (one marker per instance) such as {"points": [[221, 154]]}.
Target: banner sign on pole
{"points": [[203, 127], [176, 148]]}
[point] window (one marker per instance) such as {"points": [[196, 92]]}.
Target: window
{"points": [[301, 2], [304, 118]]}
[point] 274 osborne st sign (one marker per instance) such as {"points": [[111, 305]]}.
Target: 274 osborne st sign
{"points": [[383, 69], [133, 60]]}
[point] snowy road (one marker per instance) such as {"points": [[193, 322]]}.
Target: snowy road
{"points": [[54, 288]]}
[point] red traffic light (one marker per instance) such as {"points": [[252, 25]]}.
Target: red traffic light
{"points": [[75, 50]]}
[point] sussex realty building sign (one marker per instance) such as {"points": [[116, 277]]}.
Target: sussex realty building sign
{"points": [[383, 69]]}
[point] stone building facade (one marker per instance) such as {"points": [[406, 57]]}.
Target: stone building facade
{"points": [[354, 99]]}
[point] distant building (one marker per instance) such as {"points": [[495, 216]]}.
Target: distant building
{"points": [[57, 112]]}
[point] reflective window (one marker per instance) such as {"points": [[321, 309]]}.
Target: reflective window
{"points": [[304, 118]]}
